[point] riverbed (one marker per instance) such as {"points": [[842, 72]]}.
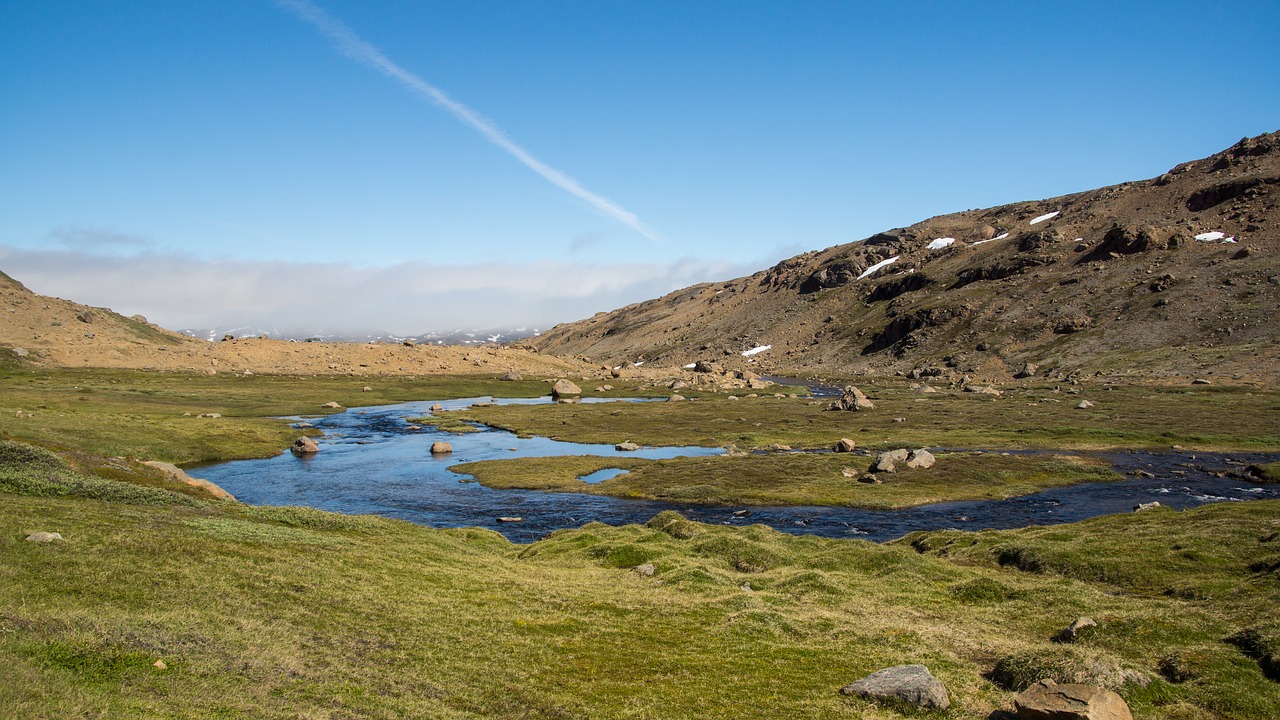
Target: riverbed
{"points": [[374, 460]]}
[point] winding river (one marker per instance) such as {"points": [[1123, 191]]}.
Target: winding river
{"points": [[373, 461]]}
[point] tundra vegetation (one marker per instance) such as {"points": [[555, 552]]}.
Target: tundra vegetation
{"points": [[160, 601]]}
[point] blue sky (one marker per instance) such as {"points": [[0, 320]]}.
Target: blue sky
{"points": [[149, 148]]}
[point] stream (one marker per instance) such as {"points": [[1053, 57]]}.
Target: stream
{"points": [[372, 461]]}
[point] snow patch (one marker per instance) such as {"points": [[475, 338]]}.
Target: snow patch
{"points": [[1215, 236], [940, 243], [1046, 216], [755, 350], [883, 263], [638, 364], [1001, 236]]}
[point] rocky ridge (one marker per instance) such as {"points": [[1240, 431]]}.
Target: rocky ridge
{"points": [[1165, 279]]}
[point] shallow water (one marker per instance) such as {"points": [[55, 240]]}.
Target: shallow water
{"points": [[372, 462]]}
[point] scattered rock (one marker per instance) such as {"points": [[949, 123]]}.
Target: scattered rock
{"points": [[921, 459], [331, 404], [1201, 381], [1084, 405], [888, 461], [1028, 370], [209, 416], [44, 537], [851, 473], [982, 390], [1076, 629], [675, 397], [1147, 506], [852, 399], [912, 684], [441, 447], [845, 445], [304, 446], [627, 446], [707, 366], [645, 570], [159, 665], [85, 316], [512, 376], [870, 479], [564, 387], [1047, 700]]}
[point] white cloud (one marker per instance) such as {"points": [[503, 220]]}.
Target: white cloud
{"points": [[183, 291]]}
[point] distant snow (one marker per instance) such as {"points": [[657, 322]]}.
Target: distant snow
{"points": [[1046, 216], [1215, 236], [883, 263], [1001, 236], [755, 350], [639, 363], [940, 243]]}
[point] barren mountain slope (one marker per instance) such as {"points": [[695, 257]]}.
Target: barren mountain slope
{"points": [[1111, 280], [40, 331]]}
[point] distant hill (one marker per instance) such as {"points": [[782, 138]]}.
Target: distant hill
{"points": [[1172, 277], [465, 337]]}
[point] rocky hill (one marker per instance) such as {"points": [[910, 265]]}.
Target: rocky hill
{"points": [[40, 331], [1172, 277]]}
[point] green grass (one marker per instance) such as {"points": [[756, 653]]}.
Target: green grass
{"points": [[795, 478], [287, 612], [1035, 416]]}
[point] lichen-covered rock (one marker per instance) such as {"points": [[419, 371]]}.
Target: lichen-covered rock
{"points": [[1047, 700], [912, 684]]}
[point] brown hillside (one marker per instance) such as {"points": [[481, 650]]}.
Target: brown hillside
{"points": [[39, 331], [1116, 283]]}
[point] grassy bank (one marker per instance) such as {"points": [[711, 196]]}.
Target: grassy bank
{"points": [[797, 479], [1031, 416], [156, 416], [285, 613]]}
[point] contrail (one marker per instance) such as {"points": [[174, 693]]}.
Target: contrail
{"points": [[355, 47]]}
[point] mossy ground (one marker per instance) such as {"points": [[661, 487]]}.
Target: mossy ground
{"points": [[286, 612], [797, 478]]}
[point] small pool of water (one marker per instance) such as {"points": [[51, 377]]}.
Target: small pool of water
{"points": [[372, 461], [601, 475]]}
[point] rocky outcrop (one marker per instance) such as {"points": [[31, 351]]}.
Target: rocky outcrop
{"points": [[1047, 700], [912, 684]]}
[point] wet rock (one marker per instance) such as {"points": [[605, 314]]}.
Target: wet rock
{"points": [[912, 684], [627, 446], [44, 537], [845, 445], [1047, 700], [1077, 629], [304, 446], [441, 447], [564, 387]]}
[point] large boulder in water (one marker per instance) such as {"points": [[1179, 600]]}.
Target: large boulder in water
{"points": [[564, 387], [441, 448], [912, 684], [304, 446]]}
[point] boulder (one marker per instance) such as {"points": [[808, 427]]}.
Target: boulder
{"points": [[922, 459], [676, 397], [1084, 405], [912, 684], [564, 387], [44, 537], [1140, 507], [645, 570], [888, 461], [853, 399], [304, 446], [845, 445], [511, 376], [707, 366], [331, 404], [982, 390], [437, 408], [1028, 370], [627, 446], [441, 447], [1076, 629], [1047, 700]]}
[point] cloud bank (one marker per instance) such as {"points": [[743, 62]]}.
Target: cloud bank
{"points": [[356, 48], [410, 298]]}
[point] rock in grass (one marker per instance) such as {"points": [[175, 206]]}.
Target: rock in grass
{"points": [[1084, 405], [849, 472], [922, 459], [982, 390], [845, 445], [888, 461], [912, 684], [645, 570], [675, 397], [44, 537], [564, 387], [627, 446], [304, 446], [331, 404], [1077, 629], [1047, 700], [441, 447], [852, 399], [1141, 507]]}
